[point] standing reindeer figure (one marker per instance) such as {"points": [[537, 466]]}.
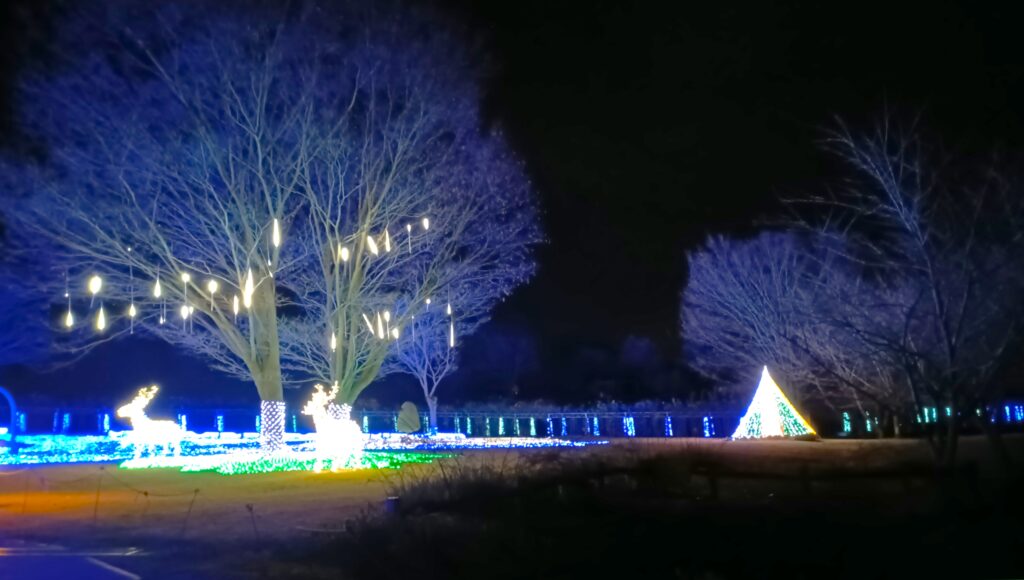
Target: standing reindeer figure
{"points": [[338, 438], [147, 433]]}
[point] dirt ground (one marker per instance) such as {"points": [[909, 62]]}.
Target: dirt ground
{"points": [[100, 502]]}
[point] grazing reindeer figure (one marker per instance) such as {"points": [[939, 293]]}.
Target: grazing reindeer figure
{"points": [[147, 433], [338, 438]]}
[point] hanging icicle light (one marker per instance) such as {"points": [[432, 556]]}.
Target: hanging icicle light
{"points": [[372, 245], [132, 311], [387, 316], [426, 223], [234, 305], [101, 319], [69, 320], [380, 327], [369, 324], [408, 230], [184, 311], [157, 291], [334, 342], [95, 284], [448, 310], [451, 334], [212, 286], [387, 240], [275, 237], [248, 288]]}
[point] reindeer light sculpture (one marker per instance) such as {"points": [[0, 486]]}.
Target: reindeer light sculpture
{"points": [[338, 438], [148, 434]]}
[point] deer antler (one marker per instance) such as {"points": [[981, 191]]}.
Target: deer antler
{"points": [[334, 392]]}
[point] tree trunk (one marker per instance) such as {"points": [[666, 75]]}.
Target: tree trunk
{"points": [[994, 434], [432, 406], [265, 364]]}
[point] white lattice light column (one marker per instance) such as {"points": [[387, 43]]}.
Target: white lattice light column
{"points": [[272, 414]]}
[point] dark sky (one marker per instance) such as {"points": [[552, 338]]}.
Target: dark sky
{"points": [[646, 128]]}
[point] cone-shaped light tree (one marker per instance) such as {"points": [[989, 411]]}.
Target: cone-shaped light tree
{"points": [[770, 414]]}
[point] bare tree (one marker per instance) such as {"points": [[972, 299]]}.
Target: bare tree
{"points": [[899, 291], [234, 159], [943, 237]]}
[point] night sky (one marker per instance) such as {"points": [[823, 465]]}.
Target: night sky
{"points": [[645, 129]]}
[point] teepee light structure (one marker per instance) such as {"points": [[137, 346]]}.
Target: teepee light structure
{"points": [[771, 414]]}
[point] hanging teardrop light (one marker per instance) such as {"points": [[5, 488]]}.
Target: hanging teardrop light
{"points": [[275, 237], [101, 320], [69, 320], [387, 240], [247, 290], [426, 223], [334, 342], [157, 291], [372, 245]]}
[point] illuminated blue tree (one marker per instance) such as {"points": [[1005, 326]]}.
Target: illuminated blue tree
{"points": [[236, 180]]}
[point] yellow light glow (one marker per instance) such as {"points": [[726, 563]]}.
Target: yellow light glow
{"points": [[101, 320], [343, 252], [372, 245], [95, 284], [212, 286], [157, 291], [185, 277], [387, 316], [131, 310], [146, 432], [275, 237], [248, 288], [234, 303], [428, 301], [69, 320], [334, 342], [426, 223], [338, 437]]}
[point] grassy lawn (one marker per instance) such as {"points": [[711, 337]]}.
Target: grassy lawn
{"points": [[659, 508]]}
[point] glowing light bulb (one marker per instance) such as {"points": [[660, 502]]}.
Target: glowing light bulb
{"points": [[162, 319], [451, 335], [448, 310], [428, 301], [387, 241], [369, 324], [343, 252], [69, 320], [275, 237], [131, 310], [101, 320], [248, 288], [95, 284], [212, 286], [408, 228], [185, 277], [157, 291], [184, 312], [380, 327], [387, 316], [234, 304], [334, 342], [426, 223], [372, 245], [394, 333]]}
